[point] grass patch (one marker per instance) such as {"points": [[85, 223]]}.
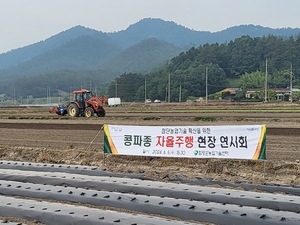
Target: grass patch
{"points": [[151, 118], [43, 118], [204, 118], [24, 118], [12, 117], [230, 163]]}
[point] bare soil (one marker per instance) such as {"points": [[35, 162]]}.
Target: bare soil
{"points": [[49, 138]]}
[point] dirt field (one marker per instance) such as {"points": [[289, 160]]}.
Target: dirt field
{"points": [[43, 137], [34, 135]]}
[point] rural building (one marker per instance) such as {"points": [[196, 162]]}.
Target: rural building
{"points": [[232, 92], [282, 94]]}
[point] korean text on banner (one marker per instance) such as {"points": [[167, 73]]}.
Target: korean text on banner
{"points": [[236, 142]]}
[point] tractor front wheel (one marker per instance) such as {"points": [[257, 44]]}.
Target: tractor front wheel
{"points": [[73, 110], [88, 112]]}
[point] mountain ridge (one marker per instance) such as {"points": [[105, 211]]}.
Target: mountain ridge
{"points": [[146, 28]]}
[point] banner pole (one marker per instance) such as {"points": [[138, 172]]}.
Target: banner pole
{"points": [[264, 168]]}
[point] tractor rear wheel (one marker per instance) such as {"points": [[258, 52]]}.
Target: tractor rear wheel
{"points": [[89, 112], [73, 110], [101, 113]]}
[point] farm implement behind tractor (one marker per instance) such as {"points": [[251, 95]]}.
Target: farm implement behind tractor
{"points": [[83, 103]]}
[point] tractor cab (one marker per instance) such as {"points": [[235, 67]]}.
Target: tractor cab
{"points": [[78, 98], [81, 97]]}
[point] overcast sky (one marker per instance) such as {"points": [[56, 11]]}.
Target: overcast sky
{"points": [[25, 22]]}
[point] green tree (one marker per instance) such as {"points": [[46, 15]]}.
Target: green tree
{"points": [[244, 58], [252, 80], [280, 79], [126, 86]]}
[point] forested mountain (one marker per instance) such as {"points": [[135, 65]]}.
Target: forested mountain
{"points": [[184, 37], [144, 29], [162, 30], [19, 55], [142, 57], [232, 33], [81, 55], [89, 56], [243, 60]]}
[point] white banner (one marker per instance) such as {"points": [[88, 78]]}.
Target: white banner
{"points": [[237, 142]]}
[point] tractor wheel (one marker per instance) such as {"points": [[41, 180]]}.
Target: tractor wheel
{"points": [[73, 110], [88, 112], [101, 113]]}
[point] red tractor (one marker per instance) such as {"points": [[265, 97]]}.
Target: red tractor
{"points": [[83, 103]]}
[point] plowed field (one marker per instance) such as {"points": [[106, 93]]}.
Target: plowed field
{"points": [[38, 137]]}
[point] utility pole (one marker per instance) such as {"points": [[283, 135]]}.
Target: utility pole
{"points": [[180, 93], [166, 94], [145, 90], [291, 83], [169, 95], [70, 93], [206, 89], [14, 96], [116, 89], [49, 95], [266, 81]]}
